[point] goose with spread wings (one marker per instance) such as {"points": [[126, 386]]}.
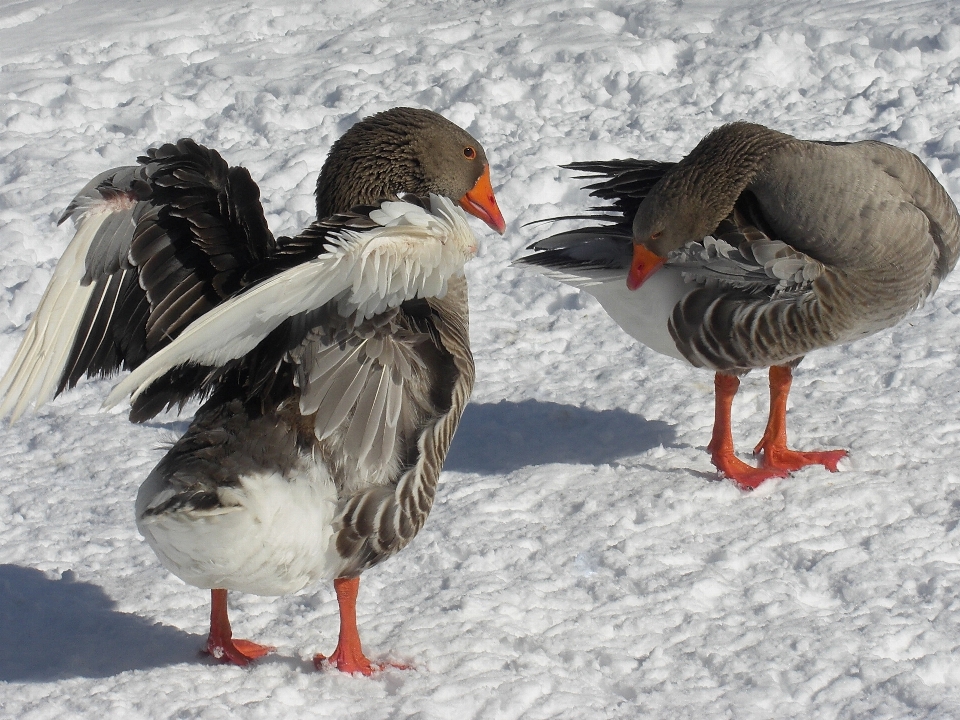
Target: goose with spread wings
{"points": [[334, 365], [753, 250]]}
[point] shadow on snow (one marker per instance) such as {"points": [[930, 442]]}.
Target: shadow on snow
{"points": [[505, 436], [53, 629], [59, 628]]}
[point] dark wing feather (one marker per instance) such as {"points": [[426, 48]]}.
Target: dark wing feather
{"points": [[601, 250], [261, 377], [204, 230], [624, 183], [114, 322], [160, 245]]}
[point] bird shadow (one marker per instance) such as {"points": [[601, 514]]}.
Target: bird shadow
{"points": [[52, 629], [506, 436]]}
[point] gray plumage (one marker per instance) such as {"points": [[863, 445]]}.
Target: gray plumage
{"points": [[386, 493], [790, 245], [372, 403], [879, 227], [377, 522], [753, 250]]}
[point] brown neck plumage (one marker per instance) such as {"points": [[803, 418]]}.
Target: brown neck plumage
{"points": [[373, 160], [721, 166]]}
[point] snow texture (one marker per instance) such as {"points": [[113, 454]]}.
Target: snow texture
{"points": [[582, 559]]}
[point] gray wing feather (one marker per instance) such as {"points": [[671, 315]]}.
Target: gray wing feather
{"points": [[324, 364], [343, 390], [359, 381], [369, 432], [740, 255], [376, 522], [124, 188]]}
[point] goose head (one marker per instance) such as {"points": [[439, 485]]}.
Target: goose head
{"points": [[407, 150], [693, 197]]}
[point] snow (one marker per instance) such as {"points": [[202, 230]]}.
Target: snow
{"points": [[582, 560]]}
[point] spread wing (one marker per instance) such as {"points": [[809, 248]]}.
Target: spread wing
{"points": [[367, 345], [410, 253], [156, 246]]}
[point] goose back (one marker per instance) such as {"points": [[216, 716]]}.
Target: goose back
{"points": [[876, 220]]}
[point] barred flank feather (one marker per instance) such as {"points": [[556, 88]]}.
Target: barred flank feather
{"points": [[381, 521]]}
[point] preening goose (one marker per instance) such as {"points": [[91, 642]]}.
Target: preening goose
{"points": [[752, 251], [335, 364]]}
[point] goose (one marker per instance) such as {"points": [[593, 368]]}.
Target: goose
{"points": [[333, 366], [753, 250]]}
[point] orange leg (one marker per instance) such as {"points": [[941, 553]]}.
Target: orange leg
{"points": [[776, 454], [221, 644], [348, 656], [721, 445]]}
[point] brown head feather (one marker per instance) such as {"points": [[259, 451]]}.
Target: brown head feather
{"points": [[397, 151], [698, 192]]}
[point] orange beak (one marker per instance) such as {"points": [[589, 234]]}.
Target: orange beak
{"points": [[480, 202], [645, 264]]}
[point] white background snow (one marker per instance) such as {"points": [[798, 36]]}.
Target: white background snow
{"points": [[582, 560]]}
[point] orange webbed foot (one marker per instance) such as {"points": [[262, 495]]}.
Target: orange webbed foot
{"points": [[220, 642], [783, 458], [744, 475], [236, 652], [352, 663], [773, 444], [349, 657]]}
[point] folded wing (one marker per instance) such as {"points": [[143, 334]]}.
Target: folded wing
{"points": [[411, 253]]}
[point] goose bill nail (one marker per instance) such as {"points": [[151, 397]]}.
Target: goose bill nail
{"points": [[480, 202], [645, 264]]}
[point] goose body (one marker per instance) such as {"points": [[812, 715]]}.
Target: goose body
{"points": [[754, 250], [335, 365]]}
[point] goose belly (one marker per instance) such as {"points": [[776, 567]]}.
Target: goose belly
{"points": [[644, 313], [270, 534]]}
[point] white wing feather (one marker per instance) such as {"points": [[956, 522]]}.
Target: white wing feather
{"points": [[412, 254], [37, 367]]}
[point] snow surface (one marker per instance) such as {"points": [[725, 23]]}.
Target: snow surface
{"points": [[582, 560]]}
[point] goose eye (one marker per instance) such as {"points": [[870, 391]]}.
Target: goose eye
{"points": [[469, 153], [656, 235]]}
